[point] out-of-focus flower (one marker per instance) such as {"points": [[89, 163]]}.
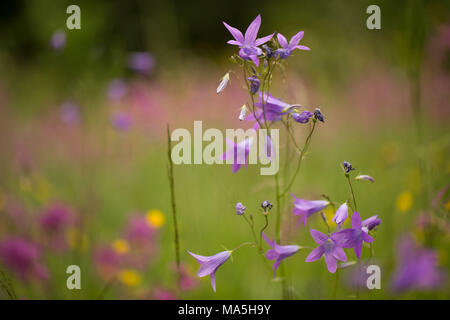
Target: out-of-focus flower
{"points": [[139, 231], [365, 177], [328, 248], [318, 115], [287, 48], [347, 167], [417, 268], [302, 117], [22, 257], [243, 112], [141, 62], [70, 113], [372, 222], [129, 277], [268, 51], [254, 84], [58, 40], [107, 262], [77, 239], [210, 264], [404, 201], [249, 44], [239, 152], [240, 209], [353, 238], [187, 281], [155, 218], [163, 294], [121, 246], [117, 89], [305, 208], [121, 121], [341, 214], [278, 253], [223, 83], [56, 218]]}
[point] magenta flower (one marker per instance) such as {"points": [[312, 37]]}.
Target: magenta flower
{"points": [[341, 214], [417, 268], [56, 218], [107, 262], [239, 152], [141, 62], [22, 257], [287, 48], [139, 231], [328, 248], [209, 265], [353, 238], [305, 208], [249, 44], [121, 121], [278, 253]]}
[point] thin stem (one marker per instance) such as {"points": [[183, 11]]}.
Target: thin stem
{"points": [[253, 231], [174, 211], [302, 153], [242, 245], [262, 230], [351, 191]]}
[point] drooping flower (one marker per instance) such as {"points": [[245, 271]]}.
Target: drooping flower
{"points": [[278, 253], [341, 214], [274, 109], [249, 44], [210, 264], [353, 238], [266, 205], [240, 209], [223, 83], [365, 177], [417, 268], [372, 222], [243, 112], [141, 62], [348, 167], [23, 258], [267, 51], [328, 248], [305, 208], [254, 84], [302, 117], [318, 115], [239, 152], [287, 48]]}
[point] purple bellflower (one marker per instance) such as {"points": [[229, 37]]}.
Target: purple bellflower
{"points": [[240, 209], [248, 44], [239, 152], [353, 238], [372, 222], [341, 214], [274, 109], [209, 265], [278, 253], [365, 177], [287, 48], [302, 117], [254, 84], [327, 248], [305, 208]]}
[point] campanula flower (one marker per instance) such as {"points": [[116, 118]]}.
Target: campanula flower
{"points": [[239, 152], [372, 222], [353, 238], [240, 209], [305, 208], [417, 268], [341, 214], [278, 253], [365, 177], [318, 115], [328, 248], [302, 117], [210, 264], [223, 83], [274, 109], [243, 112], [287, 48], [348, 167], [268, 51], [254, 84], [266, 205], [248, 44]]}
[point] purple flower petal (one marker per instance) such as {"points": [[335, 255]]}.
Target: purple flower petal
{"points": [[282, 40], [237, 35], [356, 220], [263, 40], [296, 39], [331, 262], [252, 31], [318, 236], [341, 214], [315, 254]]}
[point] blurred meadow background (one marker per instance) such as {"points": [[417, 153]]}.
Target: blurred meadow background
{"points": [[83, 148]]}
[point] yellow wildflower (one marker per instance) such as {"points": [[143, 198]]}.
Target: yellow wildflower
{"points": [[121, 246], [155, 218], [404, 201], [129, 277]]}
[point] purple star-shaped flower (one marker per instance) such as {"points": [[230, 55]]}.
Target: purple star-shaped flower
{"points": [[273, 109], [248, 44], [238, 152], [353, 238], [327, 248], [305, 208], [287, 48], [209, 265], [278, 253]]}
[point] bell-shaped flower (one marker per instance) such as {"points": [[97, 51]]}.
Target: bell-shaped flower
{"points": [[328, 248], [305, 208], [278, 253]]}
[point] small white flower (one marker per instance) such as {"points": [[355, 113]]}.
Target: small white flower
{"points": [[243, 112], [365, 177], [223, 84]]}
